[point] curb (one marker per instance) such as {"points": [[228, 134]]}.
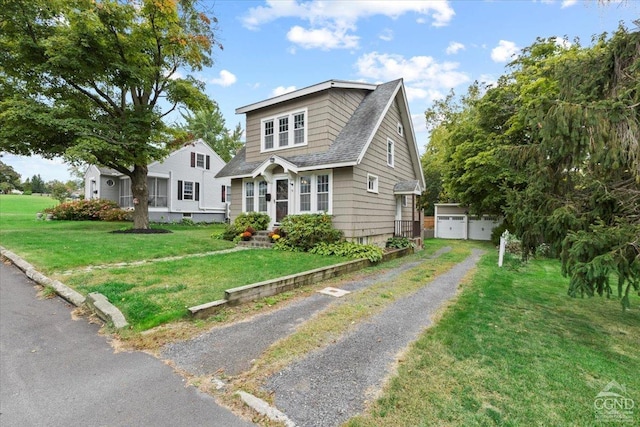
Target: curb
{"points": [[264, 408], [97, 302]]}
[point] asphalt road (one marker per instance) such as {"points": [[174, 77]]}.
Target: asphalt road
{"points": [[55, 371]]}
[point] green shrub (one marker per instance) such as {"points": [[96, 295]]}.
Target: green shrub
{"points": [[256, 220], [231, 232], [400, 243], [305, 231], [349, 250], [89, 210]]}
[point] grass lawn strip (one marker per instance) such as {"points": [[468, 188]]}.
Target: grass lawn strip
{"points": [[514, 350], [151, 294]]}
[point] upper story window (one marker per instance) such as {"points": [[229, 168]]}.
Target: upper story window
{"points": [[284, 131], [400, 129], [200, 160], [390, 152]]}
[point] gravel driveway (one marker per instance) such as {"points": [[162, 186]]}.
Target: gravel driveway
{"points": [[329, 386], [230, 349]]}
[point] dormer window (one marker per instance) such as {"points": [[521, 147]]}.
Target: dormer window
{"points": [[291, 131]]}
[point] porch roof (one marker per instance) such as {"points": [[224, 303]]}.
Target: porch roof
{"points": [[407, 187]]}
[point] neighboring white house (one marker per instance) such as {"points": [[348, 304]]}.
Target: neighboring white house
{"points": [[183, 185], [453, 221]]}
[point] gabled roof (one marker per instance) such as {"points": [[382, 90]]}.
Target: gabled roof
{"points": [[304, 92], [352, 142], [407, 187]]}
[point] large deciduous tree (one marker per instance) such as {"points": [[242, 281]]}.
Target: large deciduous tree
{"points": [[92, 80]]}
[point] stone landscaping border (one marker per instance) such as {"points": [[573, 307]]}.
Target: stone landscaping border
{"points": [[272, 287]]}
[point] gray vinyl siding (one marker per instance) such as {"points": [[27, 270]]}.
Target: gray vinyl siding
{"points": [[236, 199], [107, 192], [343, 199], [327, 113], [374, 214]]}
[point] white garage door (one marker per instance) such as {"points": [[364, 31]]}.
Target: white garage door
{"points": [[481, 228], [450, 227]]}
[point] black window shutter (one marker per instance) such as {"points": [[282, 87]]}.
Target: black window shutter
{"points": [[197, 191], [208, 162], [179, 190], [193, 159], [224, 193]]}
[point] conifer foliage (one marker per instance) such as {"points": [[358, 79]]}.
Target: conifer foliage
{"points": [[563, 128]]}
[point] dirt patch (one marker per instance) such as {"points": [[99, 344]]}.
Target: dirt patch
{"points": [[142, 231]]}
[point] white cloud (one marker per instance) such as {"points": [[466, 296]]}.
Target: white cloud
{"points": [[225, 79], [568, 3], [322, 38], [332, 23], [454, 47], [563, 43], [424, 77], [281, 90], [386, 35], [318, 12], [504, 51]]}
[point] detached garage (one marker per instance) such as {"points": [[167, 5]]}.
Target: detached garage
{"points": [[453, 221]]}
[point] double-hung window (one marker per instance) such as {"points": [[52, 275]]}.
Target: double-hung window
{"points": [[255, 196], [267, 127], [249, 196], [284, 131], [262, 196], [390, 152], [314, 193]]}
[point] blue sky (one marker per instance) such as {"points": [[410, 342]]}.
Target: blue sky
{"points": [[274, 47]]}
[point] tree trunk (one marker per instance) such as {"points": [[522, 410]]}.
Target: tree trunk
{"points": [[140, 193]]}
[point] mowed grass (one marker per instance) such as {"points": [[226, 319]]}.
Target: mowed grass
{"points": [[514, 350], [159, 292], [53, 246], [152, 293]]}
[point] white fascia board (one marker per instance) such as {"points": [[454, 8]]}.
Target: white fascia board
{"points": [[303, 92], [412, 136]]}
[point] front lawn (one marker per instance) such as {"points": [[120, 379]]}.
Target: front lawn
{"points": [[515, 350], [53, 246], [148, 294], [160, 292]]}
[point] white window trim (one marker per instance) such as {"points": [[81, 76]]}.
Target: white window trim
{"points": [[375, 186], [184, 190], [291, 131], [400, 129], [256, 195], [393, 152], [314, 192]]}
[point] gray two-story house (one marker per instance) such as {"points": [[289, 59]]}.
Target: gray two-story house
{"points": [[340, 147]]}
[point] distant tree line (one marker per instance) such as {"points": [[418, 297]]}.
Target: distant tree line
{"points": [[11, 180]]}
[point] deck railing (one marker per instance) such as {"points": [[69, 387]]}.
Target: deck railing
{"points": [[409, 229]]}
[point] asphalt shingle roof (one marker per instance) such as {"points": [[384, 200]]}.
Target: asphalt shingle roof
{"points": [[349, 144]]}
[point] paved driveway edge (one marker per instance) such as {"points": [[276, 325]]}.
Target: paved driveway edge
{"points": [[104, 309]]}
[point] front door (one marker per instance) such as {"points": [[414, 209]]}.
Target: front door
{"points": [[282, 199]]}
